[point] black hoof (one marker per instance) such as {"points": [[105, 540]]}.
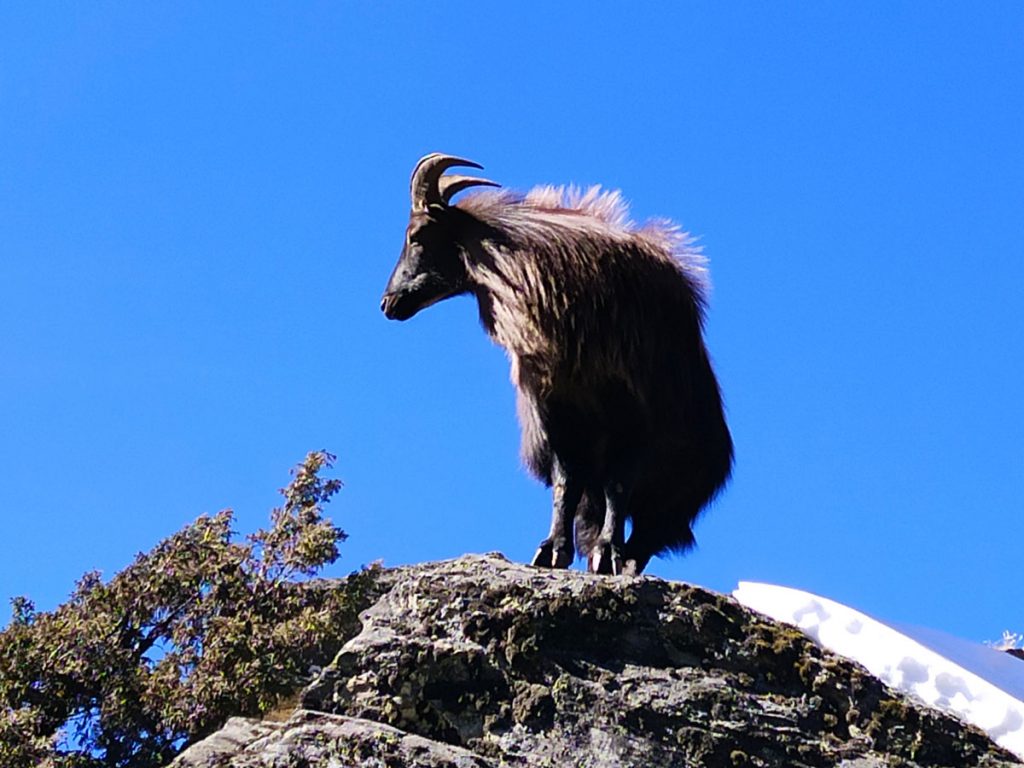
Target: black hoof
{"points": [[605, 558], [551, 555]]}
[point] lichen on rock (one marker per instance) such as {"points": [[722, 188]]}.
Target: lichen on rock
{"points": [[482, 662]]}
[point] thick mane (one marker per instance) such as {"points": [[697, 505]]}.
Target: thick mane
{"points": [[588, 212], [576, 293]]}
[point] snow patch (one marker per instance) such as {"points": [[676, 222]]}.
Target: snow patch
{"points": [[978, 684]]}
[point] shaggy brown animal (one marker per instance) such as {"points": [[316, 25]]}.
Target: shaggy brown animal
{"points": [[602, 321]]}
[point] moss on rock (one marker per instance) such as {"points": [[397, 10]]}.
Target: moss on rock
{"points": [[505, 664]]}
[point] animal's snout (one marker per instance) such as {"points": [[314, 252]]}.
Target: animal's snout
{"points": [[401, 305]]}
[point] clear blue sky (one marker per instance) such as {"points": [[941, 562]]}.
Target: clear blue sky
{"points": [[200, 205]]}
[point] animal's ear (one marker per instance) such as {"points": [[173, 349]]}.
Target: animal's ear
{"points": [[424, 189]]}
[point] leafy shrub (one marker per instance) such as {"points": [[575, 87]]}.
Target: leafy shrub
{"points": [[126, 673]]}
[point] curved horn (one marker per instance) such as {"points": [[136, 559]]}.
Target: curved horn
{"points": [[423, 187], [449, 186]]}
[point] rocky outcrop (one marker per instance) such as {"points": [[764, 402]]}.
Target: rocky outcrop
{"points": [[481, 662]]}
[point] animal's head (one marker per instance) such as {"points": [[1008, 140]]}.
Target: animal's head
{"points": [[430, 268]]}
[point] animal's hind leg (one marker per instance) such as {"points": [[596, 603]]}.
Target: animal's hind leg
{"points": [[557, 551], [606, 555], [648, 538], [635, 557]]}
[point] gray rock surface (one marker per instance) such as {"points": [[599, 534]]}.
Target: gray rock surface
{"points": [[318, 739], [481, 662]]}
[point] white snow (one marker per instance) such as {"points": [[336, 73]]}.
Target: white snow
{"points": [[978, 684]]}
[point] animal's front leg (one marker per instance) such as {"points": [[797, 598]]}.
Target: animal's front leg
{"points": [[557, 550], [606, 556]]}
